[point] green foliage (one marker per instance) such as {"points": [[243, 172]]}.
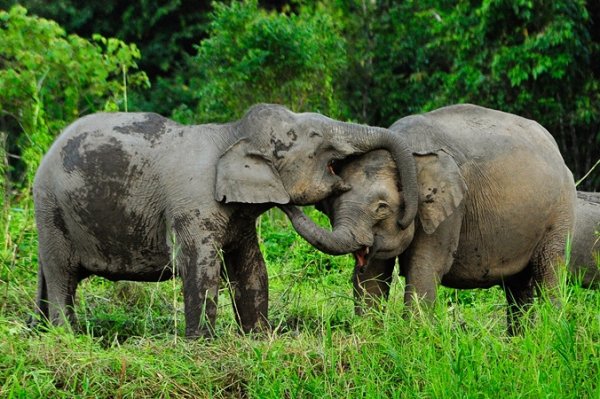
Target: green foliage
{"points": [[252, 55], [387, 55], [370, 61], [165, 31], [49, 78]]}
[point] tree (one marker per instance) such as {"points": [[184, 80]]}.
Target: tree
{"points": [[252, 55], [48, 79], [164, 31]]}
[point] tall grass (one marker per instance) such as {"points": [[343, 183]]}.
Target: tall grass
{"points": [[126, 345]]}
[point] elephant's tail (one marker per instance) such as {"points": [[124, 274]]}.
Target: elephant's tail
{"points": [[41, 300]]}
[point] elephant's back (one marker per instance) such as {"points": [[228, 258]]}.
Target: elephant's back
{"points": [[474, 133], [99, 149], [506, 155]]}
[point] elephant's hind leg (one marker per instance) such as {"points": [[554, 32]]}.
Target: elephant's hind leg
{"points": [[61, 283], [58, 277], [547, 260], [59, 264], [541, 274]]}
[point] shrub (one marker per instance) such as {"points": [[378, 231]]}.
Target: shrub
{"points": [[252, 55], [48, 79]]}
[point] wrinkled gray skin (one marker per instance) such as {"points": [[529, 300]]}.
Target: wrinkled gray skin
{"points": [[496, 203], [585, 247], [117, 194]]}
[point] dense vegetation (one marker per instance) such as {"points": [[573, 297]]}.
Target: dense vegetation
{"points": [[367, 61]]}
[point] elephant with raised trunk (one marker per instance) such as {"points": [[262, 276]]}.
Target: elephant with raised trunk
{"points": [[496, 204], [585, 247], [118, 195]]}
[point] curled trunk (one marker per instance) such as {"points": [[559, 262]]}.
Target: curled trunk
{"points": [[358, 139], [340, 241], [373, 138]]}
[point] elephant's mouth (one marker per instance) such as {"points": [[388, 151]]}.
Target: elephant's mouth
{"points": [[361, 258], [366, 253]]}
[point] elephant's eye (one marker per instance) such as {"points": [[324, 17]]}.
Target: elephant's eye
{"points": [[381, 205], [383, 208]]}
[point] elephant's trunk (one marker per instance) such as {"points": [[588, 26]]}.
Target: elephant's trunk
{"points": [[340, 241], [370, 138]]}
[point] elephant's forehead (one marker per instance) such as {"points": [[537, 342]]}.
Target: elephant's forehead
{"points": [[372, 165], [366, 193]]}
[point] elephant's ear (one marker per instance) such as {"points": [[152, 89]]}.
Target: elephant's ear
{"points": [[245, 175], [441, 188]]}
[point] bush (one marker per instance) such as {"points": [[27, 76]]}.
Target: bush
{"points": [[252, 56], [48, 79]]}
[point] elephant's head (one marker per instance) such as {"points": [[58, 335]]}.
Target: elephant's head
{"points": [[284, 157], [364, 218]]}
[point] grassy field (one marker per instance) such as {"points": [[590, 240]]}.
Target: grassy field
{"points": [[130, 341]]}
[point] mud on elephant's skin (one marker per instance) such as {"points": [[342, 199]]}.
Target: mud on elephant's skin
{"points": [[114, 188], [487, 214], [584, 265]]}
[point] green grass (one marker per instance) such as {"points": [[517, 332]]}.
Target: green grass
{"points": [[130, 344]]}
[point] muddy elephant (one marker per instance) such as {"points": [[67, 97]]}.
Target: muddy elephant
{"points": [[584, 265], [496, 204], [119, 194]]}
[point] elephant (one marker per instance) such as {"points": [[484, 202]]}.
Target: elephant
{"points": [[118, 195], [496, 204], [584, 265]]}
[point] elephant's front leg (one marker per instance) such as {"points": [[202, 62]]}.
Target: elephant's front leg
{"points": [[372, 285], [422, 278], [429, 258], [199, 266], [247, 274]]}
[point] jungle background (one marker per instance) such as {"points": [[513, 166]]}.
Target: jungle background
{"points": [[367, 61]]}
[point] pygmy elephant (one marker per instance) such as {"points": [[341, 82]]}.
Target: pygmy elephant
{"points": [[585, 246], [117, 195], [495, 207]]}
